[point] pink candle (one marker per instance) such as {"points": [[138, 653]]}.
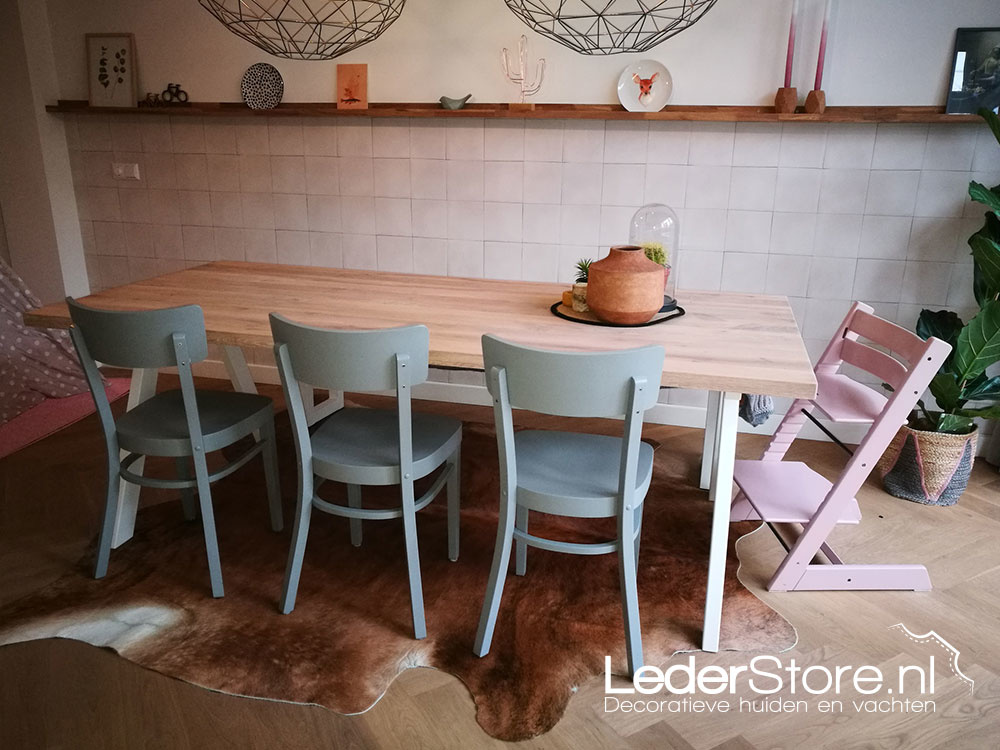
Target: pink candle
{"points": [[822, 48], [791, 45]]}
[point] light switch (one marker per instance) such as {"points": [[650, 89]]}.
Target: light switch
{"points": [[124, 171]]}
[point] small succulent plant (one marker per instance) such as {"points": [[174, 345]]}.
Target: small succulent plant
{"points": [[655, 252], [583, 270]]}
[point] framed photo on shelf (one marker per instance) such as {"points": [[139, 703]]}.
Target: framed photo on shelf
{"points": [[975, 71], [111, 71], [352, 86]]}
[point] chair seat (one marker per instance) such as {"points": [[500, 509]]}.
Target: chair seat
{"points": [[788, 491], [846, 400], [573, 474], [361, 446], [158, 426]]}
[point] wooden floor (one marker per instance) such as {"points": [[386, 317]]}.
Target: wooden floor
{"points": [[63, 694]]}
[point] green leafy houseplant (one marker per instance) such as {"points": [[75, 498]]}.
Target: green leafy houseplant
{"points": [[583, 270], [962, 379]]}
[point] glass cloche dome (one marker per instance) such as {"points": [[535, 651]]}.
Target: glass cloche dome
{"points": [[656, 229]]}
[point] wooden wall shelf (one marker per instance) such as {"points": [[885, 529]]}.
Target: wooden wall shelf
{"points": [[541, 111]]}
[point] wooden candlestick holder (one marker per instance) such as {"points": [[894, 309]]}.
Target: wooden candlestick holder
{"points": [[816, 102], [786, 100]]}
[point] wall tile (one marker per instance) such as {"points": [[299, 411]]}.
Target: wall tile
{"points": [[220, 136], [428, 178], [831, 278], [540, 223], [199, 243], [935, 239], [356, 175], [258, 210], [465, 180], [583, 141], [188, 134], [843, 191], [665, 183], [542, 182], [464, 139], [223, 172], [793, 233], [227, 210], [255, 173], [615, 222], [669, 143], [168, 241], [878, 280], [465, 220], [164, 207], [430, 256], [623, 185], [196, 208], [292, 248], [701, 229], [319, 137], [260, 245], [94, 133], [700, 270], [502, 222], [322, 175], [802, 145], [354, 137], [744, 272], [850, 146], [625, 142], [134, 206], [942, 193], [797, 189], [756, 144], [359, 251], [579, 225], [543, 140], [504, 181], [899, 146], [290, 211], [885, 236], [229, 243], [539, 262], [430, 218], [950, 147], [427, 139], [748, 231], [712, 143], [392, 216], [788, 275], [394, 254], [582, 183], [838, 235], [139, 240], [125, 135], [926, 284], [325, 250], [707, 187], [155, 134], [323, 213], [502, 260], [503, 141], [391, 138], [392, 176], [465, 258], [892, 193], [752, 188], [288, 174], [986, 157], [251, 138], [357, 215], [109, 237]]}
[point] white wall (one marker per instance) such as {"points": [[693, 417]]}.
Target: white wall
{"points": [[881, 52]]}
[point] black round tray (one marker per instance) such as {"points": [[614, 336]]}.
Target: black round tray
{"points": [[667, 312]]}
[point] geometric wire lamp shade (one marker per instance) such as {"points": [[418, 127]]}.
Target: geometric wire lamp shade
{"points": [[609, 27], [306, 29]]}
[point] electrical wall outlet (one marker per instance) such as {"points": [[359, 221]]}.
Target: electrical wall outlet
{"points": [[124, 171]]}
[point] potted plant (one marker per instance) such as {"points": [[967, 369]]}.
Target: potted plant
{"points": [[930, 459], [655, 252], [580, 285]]}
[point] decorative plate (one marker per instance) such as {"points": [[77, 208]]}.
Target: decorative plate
{"points": [[262, 86], [645, 86]]}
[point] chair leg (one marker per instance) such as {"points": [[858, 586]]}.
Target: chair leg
{"points": [[413, 561], [354, 500], [520, 546], [638, 530], [187, 494], [208, 524], [108, 522], [454, 493], [270, 456], [498, 572], [293, 569], [629, 591]]}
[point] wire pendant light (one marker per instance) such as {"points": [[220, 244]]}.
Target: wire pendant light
{"points": [[306, 29], [609, 27]]}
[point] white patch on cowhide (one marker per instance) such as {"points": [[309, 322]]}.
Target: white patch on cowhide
{"points": [[117, 629]]}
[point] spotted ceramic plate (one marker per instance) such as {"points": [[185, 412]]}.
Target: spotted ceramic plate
{"points": [[645, 86], [262, 86]]}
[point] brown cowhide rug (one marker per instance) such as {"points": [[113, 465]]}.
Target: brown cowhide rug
{"points": [[350, 633]]}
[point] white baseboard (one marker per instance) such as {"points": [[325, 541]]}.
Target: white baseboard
{"points": [[675, 415]]}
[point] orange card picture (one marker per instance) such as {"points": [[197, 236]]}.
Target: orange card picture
{"points": [[352, 86]]}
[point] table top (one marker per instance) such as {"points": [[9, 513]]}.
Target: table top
{"points": [[726, 341]]}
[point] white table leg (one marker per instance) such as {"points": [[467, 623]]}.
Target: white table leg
{"points": [[721, 495], [236, 366], [143, 387], [711, 432]]}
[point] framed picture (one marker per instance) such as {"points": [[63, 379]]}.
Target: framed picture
{"points": [[111, 73], [352, 86], [975, 71]]}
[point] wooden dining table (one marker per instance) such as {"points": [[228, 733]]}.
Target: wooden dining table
{"points": [[726, 343]]}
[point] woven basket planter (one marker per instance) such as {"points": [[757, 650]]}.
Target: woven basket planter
{"points": [[931, 468]]}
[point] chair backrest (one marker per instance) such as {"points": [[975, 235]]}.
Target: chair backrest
{"points": [[352, 360], [861, 323], [139, 339], [574, 384]]}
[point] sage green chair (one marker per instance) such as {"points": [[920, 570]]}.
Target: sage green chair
{"points": [[569, 473], [184, 424], [366, 446]]}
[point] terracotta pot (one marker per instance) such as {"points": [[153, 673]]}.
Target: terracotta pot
{"points": [[626, 287], [931, 468]]}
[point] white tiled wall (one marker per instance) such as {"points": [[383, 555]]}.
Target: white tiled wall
{"points": [[821, 213]]}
